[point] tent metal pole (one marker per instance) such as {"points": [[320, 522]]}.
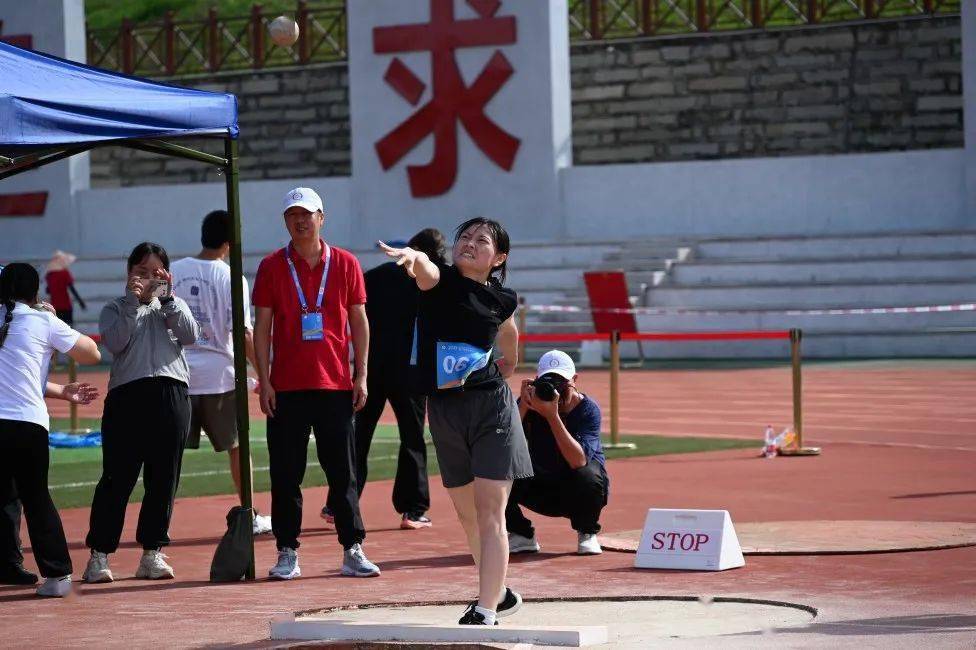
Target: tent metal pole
{"points": [[31, 161], [240, 360], [38, 154], [179, 151]]}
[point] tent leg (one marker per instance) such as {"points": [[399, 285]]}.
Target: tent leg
{"points": [[240, 359]]}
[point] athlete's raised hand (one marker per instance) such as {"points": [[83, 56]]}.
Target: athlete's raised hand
{"points": [[405, 257]]}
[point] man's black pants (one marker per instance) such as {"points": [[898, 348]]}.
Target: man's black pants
{"points": [[329, 414], [578, 494], [144, 428], [10, 510], [24, 459], [411, 491]]}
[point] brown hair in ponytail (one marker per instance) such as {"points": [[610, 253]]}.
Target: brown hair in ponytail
{"points": [[19, 282]]}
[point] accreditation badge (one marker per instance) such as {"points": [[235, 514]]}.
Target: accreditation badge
{"points": [[456, 362], [312, 327]]}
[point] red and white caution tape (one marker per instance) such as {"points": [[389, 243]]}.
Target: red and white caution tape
{"points": [[659, 311]]}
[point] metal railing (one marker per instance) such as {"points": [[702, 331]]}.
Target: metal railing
{"points": [[607, 19], [180, 47], [217, 43]]}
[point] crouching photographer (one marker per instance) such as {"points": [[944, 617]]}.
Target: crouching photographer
{"points": [[562, 427]]}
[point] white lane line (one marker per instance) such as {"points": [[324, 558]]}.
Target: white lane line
{"points": [[870, 443], [813, 423], [213, 472], [812, 439]]}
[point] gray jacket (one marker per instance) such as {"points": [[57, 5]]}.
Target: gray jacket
{"points": [[147, 340]]}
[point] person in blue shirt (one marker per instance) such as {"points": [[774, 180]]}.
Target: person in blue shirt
{"points": [[567, 457]]}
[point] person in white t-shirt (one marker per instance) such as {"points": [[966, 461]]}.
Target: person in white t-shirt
{"points": [[29, 335], [203, 282], [12, 571]]}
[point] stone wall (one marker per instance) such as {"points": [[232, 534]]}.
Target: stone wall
{"points": [[843, 89], [293, 123], [888, 85]]}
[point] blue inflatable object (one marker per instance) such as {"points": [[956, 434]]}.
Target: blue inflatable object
{"points": [[72, 441]]}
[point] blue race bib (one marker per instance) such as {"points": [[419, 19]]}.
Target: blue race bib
{"points": [[456, 362]]}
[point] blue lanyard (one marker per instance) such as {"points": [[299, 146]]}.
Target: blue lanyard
{"points": [[413, 344], [298, 286]]}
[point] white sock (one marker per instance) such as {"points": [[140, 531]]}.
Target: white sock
{"points": [[489, 614]]}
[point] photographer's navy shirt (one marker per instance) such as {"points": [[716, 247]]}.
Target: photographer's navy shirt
{"points": [[583, 423], [461, 310]]}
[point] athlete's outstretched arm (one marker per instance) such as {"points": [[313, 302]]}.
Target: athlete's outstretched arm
{"points": [[416, 264]]}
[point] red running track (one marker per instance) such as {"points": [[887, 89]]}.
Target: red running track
{"points": [[918, 404], [899, 443], [847, 482]]}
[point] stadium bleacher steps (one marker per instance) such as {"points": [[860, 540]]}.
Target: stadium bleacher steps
{"points": [[748, 284]]}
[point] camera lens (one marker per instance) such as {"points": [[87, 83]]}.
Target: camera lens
{"points": [[545, 390]]}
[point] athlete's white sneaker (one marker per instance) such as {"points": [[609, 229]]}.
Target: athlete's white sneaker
{"points": [[153, 566], [356, 564], [287, 566], [262, 524], [97, 569], [55, 587], [519, 544], [588, 544]]}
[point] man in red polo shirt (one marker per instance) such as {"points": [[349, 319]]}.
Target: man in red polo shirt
{"points": [[305, 295]]}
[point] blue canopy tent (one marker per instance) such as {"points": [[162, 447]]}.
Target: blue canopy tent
{"points": [[51, 108]]}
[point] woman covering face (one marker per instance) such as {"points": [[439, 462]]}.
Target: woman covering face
{"points": [[147, 413]]}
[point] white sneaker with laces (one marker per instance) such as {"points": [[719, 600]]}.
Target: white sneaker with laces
{"points": [[262, 524], [519, 544], [287, 566], [97, 569], [356, 564], [153, 566], [55, 587], [588, 544]]}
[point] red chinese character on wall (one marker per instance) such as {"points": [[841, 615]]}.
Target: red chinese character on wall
{"points": [[451, 100], [20, 40]]}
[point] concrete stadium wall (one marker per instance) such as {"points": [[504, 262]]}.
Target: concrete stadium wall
{"points": [[113, 220], [803, 195], [882, 86], [800, 195]]}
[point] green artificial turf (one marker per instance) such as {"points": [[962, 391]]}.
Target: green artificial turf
{"points": [[74, 472]]}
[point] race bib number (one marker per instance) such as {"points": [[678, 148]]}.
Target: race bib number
{"points": [[312, 327], [456, 362]]}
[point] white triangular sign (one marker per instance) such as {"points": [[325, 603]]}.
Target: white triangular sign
{"points": [[702, 540]]}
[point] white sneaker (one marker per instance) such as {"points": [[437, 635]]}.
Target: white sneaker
{"points": [[153, 566], [519, 544], [588, 544], [262, 524], [55, 587], [356, 564], [97, 569], [287, 566]]}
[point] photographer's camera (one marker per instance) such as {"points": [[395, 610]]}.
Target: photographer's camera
{"points": [[547, 387]]}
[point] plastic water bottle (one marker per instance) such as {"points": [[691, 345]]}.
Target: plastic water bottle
{"points": [[769, 445], [786, 439]]}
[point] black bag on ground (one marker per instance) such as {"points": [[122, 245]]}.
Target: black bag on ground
{"points": [[234, 551]]}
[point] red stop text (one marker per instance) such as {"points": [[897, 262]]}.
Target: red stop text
{"points": [[674, 541]]}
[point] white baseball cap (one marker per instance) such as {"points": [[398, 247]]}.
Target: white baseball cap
{"points": [[558, 362], [304, 197]]}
